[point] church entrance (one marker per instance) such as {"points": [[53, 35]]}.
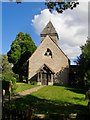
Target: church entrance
{"points": [[45, 75], [46, 78]]}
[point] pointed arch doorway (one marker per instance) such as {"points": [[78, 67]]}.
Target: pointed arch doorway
{"points": [[45, 75]]}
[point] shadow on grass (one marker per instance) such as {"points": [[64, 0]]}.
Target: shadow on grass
{"points": [[77, 88], [55, 109]]}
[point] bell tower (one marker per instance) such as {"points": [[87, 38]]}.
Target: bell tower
{"points": [[50, 31]]}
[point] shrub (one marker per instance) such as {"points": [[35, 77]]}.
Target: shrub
{"points": [[11, 79], [87, 79], [33, 83]]}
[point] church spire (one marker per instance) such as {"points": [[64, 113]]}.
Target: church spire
{"points": [[49, 30]]}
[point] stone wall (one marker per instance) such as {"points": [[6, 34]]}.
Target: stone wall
{"points": [[58, 61]]}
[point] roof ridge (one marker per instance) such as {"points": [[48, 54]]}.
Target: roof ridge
{"points": [[47, 67], [57, 46], [49, 24]]}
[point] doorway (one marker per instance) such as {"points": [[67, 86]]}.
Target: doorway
{"points": [[45, 75]]}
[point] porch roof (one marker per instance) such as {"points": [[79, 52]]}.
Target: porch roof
{"points": [[47, 68]]}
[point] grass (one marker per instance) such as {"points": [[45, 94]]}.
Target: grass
{"points": [[54, 100], [60, 93], [23, 86]]}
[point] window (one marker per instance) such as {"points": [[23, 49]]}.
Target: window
{"points": [[48, 53]]}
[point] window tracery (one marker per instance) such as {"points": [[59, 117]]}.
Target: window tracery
{"points": [[48, 53]]}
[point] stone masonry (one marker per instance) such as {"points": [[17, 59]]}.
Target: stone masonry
{"points": [[48, 63]]}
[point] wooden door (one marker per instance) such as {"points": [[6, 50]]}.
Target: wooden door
{"points": [[44, 79]]}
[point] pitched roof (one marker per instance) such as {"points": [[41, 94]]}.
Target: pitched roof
{"points": [[58, 46], [47, 68], [49, 29]]}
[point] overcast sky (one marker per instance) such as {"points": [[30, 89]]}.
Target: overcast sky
{"points": [[71, 26]]}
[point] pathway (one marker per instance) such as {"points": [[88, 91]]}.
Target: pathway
{"points": [[26, 92]]}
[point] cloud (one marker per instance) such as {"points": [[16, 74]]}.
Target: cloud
{"points": [[71, 26]]}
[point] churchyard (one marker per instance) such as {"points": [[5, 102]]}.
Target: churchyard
{"points": [[51, 103], [60, 92]]}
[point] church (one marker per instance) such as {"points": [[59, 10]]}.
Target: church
{"points": [[49, 65]]}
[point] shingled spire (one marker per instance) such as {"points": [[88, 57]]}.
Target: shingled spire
{"points": [[49, 30]]}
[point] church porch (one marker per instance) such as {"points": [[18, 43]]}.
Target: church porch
{"points": [[45, 76]]}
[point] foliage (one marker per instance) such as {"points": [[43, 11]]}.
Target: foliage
{"points": [[60, 5], [21, 49], [7, 68], [7, 73], [34, 83], [88, 95], [87, 78], [14, 53], [84, 63]]}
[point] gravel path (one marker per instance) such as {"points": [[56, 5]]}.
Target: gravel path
{"points": [[30, 90], [26, 92]]}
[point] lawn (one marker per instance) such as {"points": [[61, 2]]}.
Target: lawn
{"points": [[60, 94], [23, 86], [55, 100]]}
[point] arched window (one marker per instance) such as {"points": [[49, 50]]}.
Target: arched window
{"points": [[48, 53]]}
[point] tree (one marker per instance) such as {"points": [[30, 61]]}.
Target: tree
{"points": [[61, 5], [84, 63], [7, 73], [21, 49]]}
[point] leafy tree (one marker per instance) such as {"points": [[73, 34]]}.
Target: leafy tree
{"points": [[14, 53], [84, 63], [7, 69], [7, 73], [61, 5], [21, 49]]}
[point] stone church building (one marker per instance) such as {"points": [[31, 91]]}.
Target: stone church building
{"points": [[49, 65]]}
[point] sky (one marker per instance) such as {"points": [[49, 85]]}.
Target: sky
{"points": [[18, 18], [31, 17]]}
